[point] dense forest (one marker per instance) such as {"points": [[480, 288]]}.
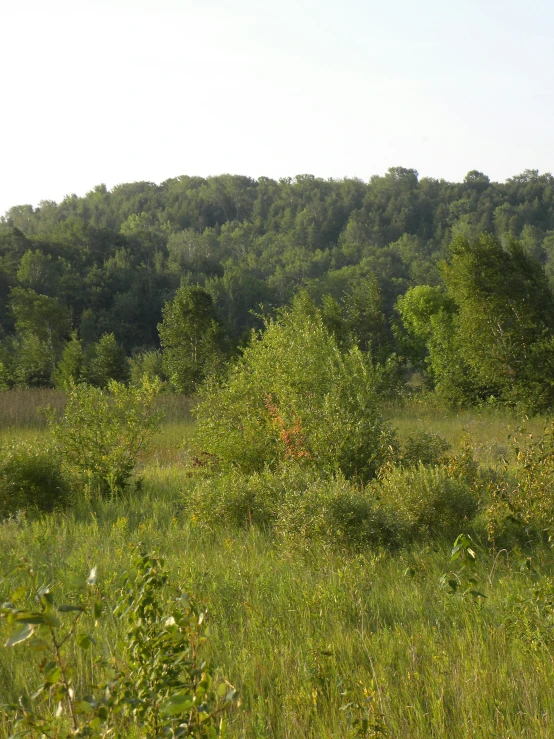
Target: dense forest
{"points": [[94, 273]]}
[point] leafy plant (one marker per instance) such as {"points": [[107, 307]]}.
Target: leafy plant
{"points": [[523, 495], [102, 432], [157, 680], [299, 504], [106, 362], [423, 447], [464, 581]]}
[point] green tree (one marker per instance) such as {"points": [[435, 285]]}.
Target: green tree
{"points": [[103, 430], [71, 367], [505, 316], [42, 323], [107, 361], [38, 271], [490, 332], [190, 335]]}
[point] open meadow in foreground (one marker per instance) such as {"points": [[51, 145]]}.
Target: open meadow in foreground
{"points": [[320, 642]]}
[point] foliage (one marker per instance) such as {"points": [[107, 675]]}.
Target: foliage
{"points": [[71, 367], [102, 432], [422, 447], [106, 361], [190, 336], [111, 259], [429, 501], [463, 581], [233, 499], [149, 363], [294, 396], [31, 478], [338, 513], [158, 681], [170, 683], [523, 494], [490, 334]]}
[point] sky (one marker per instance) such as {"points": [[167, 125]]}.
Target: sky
{"points": [[112, 91]]}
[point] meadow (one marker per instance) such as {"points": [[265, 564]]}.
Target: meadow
{"points": [[320, 642]]}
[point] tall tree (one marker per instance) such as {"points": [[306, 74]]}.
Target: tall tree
{"points": [[190, 335]]}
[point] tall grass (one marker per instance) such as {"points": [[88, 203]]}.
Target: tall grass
{"points": [[313, 639], [20, 407]]}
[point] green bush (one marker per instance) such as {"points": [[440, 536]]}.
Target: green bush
{"points": [[423, 447], [237, 500], [430, 502], [339, 513], [293, 396], [102, 432], [298, 504], [147, 363], [522, 498], [31, 478]]}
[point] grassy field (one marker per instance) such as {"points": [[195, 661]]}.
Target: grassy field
{"points": [[313, 638]]}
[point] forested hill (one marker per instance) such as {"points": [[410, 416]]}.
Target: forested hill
{"points": [[113, 258]]}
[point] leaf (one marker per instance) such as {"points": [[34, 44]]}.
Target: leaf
{"points": [[52, 676], [39, 645], [51, 620], [178, 703], [77, 583], [91, 580], [232, 695], [22, 635], [83, 707], [97, 609], [84, 641], [46, 598], [30, 618], [18, 593], [65, 608]]}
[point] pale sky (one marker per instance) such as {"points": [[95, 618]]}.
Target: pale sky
{"points": [[116, 91]]}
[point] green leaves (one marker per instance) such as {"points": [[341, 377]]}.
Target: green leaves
{"points": [[158, 680], [177, 704], [465, 581], [102, 433], [24, 633]]}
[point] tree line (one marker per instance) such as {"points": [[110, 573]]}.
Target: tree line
{"points": [[451, 278]]}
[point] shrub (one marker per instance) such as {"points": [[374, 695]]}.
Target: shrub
{"points": [[297, 503], [102, 433], [522, 498], [429, 501], [339, 513], [106, 361], [149, 363], [31, 478], [423, 447], [237, 500], [293, 396]]}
